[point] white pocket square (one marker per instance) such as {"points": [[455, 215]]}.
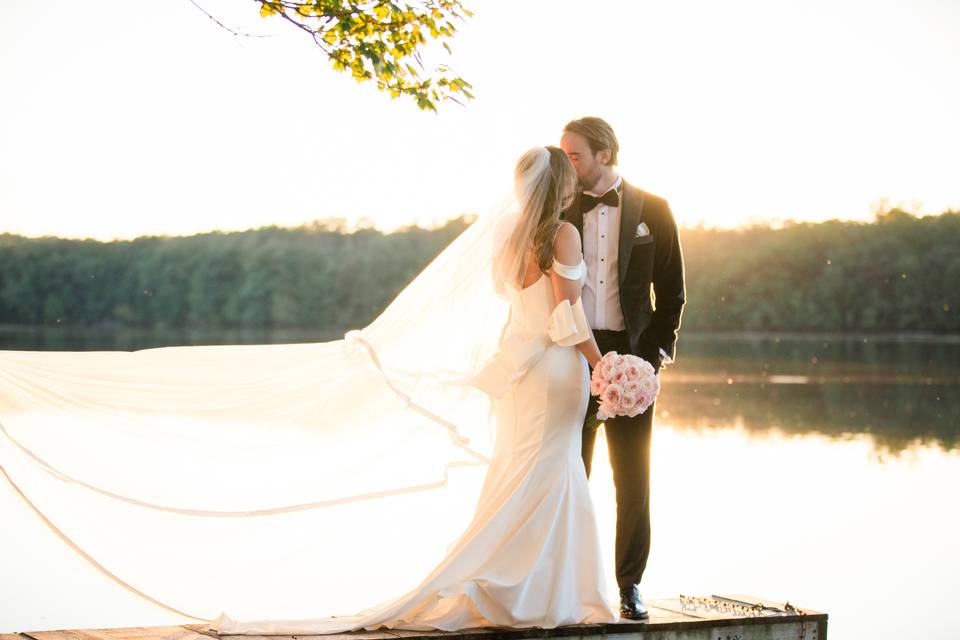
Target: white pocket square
{"points": [[642, 230]]}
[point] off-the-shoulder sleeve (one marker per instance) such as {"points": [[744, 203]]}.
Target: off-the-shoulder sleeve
{"points": [[515, 354], [575, 272], [568, 324]]}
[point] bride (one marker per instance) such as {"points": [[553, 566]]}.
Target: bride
{"points": [[122, 454], [531, 555]]}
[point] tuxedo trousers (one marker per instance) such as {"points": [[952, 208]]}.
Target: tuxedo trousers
{"points": [[628, 446]]}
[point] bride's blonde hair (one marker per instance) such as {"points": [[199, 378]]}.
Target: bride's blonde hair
{"points": [[545, 183]]}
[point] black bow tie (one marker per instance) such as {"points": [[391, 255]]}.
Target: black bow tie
{"points": [[588, 202]]}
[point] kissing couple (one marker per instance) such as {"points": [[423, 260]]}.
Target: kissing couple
{"points": [[576, 262]]}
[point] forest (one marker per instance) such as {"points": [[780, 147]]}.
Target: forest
{"points": [[897, 273]]}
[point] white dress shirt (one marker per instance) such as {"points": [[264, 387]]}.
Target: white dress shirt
{"points": [[601, 252], [601, 248]]}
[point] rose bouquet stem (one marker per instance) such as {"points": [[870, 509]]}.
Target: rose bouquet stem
{"points": [[593, 422]]}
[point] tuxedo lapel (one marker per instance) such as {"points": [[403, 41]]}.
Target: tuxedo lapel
{"points": [[631, 213]]}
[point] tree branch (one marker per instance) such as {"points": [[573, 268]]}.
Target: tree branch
{"points": [[233, 31]]}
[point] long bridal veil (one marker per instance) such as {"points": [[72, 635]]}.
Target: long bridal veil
{"points": [[290, 481]]}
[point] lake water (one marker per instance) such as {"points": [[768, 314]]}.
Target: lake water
{"points": [[819, 471]]}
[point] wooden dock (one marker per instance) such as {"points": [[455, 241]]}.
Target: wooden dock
{"points": [[714, 617]]}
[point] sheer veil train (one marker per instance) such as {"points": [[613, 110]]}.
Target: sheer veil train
{"points": [[271, 481], [285, 480]]}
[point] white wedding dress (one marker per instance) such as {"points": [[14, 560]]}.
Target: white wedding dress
{"points": [[531, 555]]}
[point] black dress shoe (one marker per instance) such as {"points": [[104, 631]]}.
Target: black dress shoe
{"points": [[631, 604]]}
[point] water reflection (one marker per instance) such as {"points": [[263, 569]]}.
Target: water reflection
{"points": [[895, 415], [900, 392]]}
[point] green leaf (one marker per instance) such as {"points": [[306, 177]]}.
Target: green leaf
{"points": [[382, 41]]}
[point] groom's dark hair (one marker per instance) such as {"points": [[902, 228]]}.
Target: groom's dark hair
{"points": [[599, 135]]}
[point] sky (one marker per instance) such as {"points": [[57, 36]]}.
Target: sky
{"points": [[122, 119]]}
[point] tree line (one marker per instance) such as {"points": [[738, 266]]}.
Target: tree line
{"points": [[315, 275], [898, 273]]}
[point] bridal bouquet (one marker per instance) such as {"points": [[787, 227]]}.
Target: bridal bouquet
{"points": [[627, 385]]}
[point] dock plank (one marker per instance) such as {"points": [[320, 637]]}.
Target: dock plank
{"points": [[704, 617], [391, 634], [121, 633]]}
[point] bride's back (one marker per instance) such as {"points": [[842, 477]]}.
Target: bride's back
{"points": [[533, 270], [532, 305]]}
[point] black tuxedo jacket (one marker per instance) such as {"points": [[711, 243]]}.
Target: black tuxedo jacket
{"points": [[655, 262]]}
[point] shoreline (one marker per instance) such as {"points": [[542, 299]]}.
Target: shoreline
{"points": [[885, 336], [697, 334]]}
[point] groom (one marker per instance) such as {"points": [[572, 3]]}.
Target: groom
{"points": [[630, 244]]}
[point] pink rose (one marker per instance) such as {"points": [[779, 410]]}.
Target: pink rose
{"points": [[602, 369], [627, 402], [610, 374], [633, 372], [612, 394], [617, 374], [609, 359], [596, 387], [632, 386], [645, 400], [605, 411]]}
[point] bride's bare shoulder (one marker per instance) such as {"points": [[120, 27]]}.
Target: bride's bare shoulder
{"points": [[566, 244]]}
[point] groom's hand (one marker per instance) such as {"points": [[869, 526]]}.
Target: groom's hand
{"points": [[652, 355]]}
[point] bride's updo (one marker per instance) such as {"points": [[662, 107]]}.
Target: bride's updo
{"points": [[545, 182]]}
